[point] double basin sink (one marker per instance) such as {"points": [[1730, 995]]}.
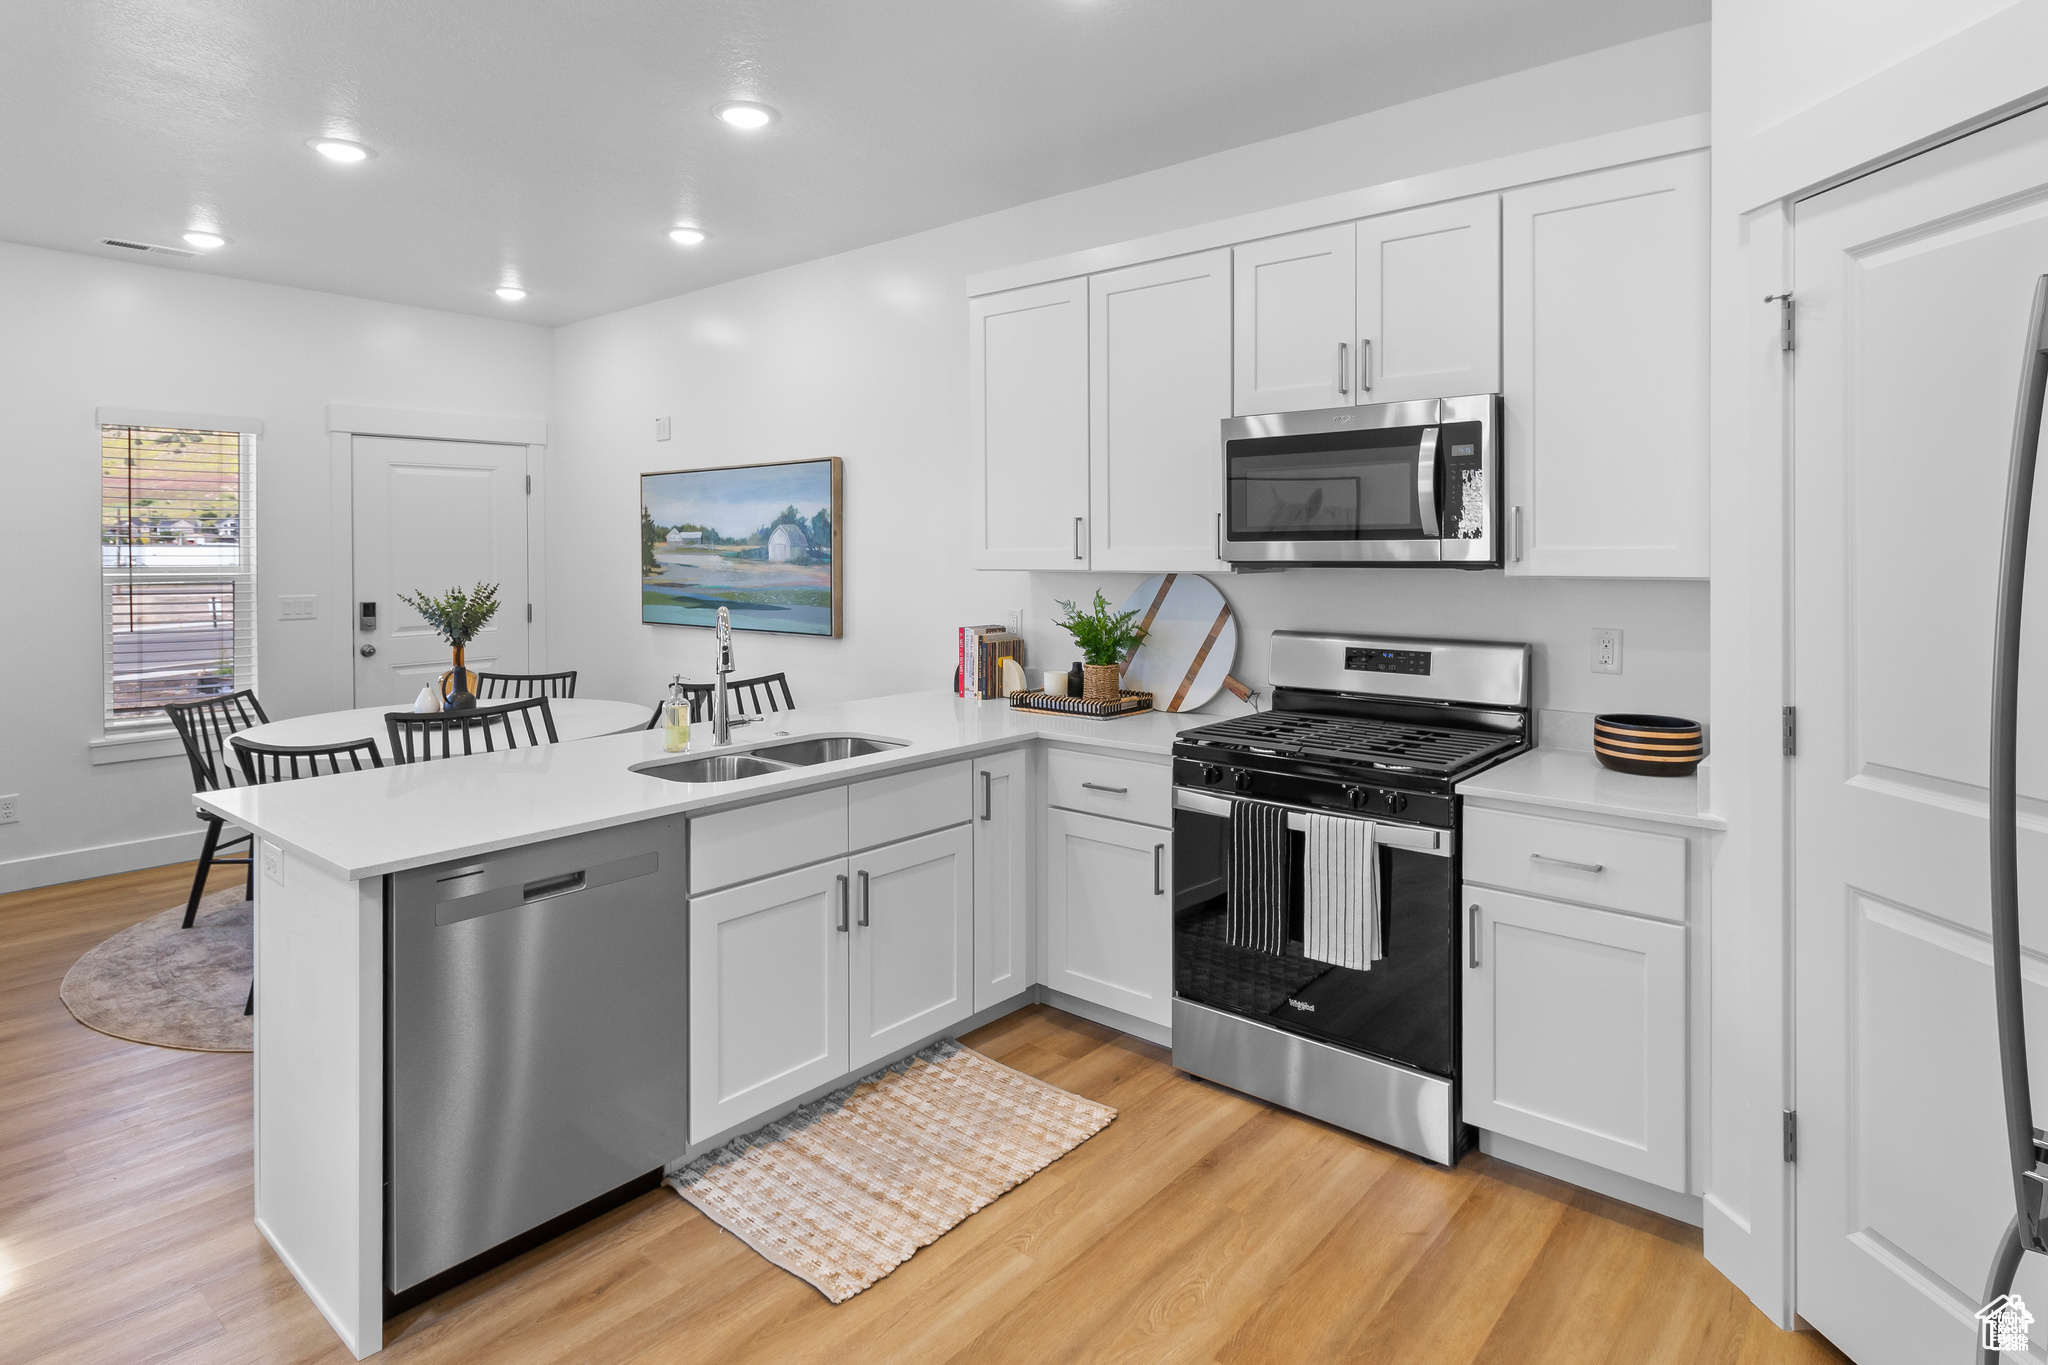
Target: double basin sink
{"points": [[770, 758]]}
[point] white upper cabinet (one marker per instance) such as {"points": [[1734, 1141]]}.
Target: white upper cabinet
{"points": [[1429, 302], [1028, 357], [1159, 358], [1604, 360], [1296, 347]]}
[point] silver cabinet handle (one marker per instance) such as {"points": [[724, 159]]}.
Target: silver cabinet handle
{"points": [[1159, 869], [1343, 367], [988, 803], [863, 900], [843, 909], [1567, 862], [1365, 365], [1518, 534], [1472, 934], [1098, 787], [1077, 538]]}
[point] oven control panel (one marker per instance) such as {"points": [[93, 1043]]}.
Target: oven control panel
{"points": [[1387, 661]]}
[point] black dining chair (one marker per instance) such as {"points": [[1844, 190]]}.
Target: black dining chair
{"points": [[205, 727], [485, 729], [264, 763], [746, 697], [506, 685]]}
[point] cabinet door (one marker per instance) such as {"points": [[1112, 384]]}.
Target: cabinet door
{"points": [[910, 967], [1109, 920], [1002, 899], [1159, 362], [767, 995], [1028, 353], [1575, 1032], [1296, 302], [1604, 372], [1429, 302]]}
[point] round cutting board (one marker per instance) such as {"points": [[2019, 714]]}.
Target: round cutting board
{"points": [[1190, 642]]}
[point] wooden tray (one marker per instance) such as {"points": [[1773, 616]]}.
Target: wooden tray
{"points": [[1045, 704]]}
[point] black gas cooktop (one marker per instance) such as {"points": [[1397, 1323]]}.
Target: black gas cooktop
{"points": [[1383, 745]]}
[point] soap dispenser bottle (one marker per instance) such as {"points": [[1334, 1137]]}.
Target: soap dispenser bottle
{"points": [[675, 718]]}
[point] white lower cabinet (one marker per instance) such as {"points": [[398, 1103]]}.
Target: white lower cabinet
{"points": [[767, 995], [1574, 1032], [1109, 915], [1002, 867], [910, 946]]}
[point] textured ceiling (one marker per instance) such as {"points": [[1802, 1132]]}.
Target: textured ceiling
{"points": [[556, 143]]}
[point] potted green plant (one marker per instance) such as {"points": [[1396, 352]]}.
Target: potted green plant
{"points": [[1106, 639], [456, 617]]}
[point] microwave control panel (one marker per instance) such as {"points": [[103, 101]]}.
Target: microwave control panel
{"points": [[1387, 661]]}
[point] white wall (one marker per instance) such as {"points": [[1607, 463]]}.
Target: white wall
{"points": [[78, 333], [864, 356]]}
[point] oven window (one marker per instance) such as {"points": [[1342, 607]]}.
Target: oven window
{"points": [[1330, 486]]}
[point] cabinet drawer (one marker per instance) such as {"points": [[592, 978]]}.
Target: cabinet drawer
{"points": [[885, 809], [753, 841], [1620, 869], [1122, 788]]}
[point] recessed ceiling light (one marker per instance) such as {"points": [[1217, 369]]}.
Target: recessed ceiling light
{"points": [[511, 293], [205, 241], [340, 149], [685, 235], [745, 114]]}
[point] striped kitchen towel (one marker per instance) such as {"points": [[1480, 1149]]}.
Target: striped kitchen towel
{"points": [[1255, 894], [1340, 903]]}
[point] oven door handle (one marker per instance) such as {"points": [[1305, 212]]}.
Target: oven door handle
{"points": [[1425, 484], [1440, 843]]}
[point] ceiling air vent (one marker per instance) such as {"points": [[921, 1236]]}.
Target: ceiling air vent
{"points": [[150, 247]]}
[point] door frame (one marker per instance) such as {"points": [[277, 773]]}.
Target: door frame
{"points": [[345, 422]]}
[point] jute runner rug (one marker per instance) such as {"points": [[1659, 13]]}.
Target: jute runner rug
{"points": [[846, 1189]]}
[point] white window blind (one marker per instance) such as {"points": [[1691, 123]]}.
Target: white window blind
{"points": [[177, 569]]}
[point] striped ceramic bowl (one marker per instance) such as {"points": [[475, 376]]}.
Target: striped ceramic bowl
{"points": [[1652, 746]]}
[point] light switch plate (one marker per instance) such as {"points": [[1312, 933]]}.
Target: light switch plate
{"points": [[273, 863], [661, 428], [296, 607], [1606, 649], [1016, 621]]}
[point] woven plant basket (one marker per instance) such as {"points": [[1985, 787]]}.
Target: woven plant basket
{"points": [[1101, 682]]}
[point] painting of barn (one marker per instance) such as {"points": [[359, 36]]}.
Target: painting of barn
{"points": [[762, 541]]}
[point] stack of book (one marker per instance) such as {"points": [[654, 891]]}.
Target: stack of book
{"points": [[982, 651]]}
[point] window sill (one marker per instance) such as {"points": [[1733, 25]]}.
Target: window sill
{"points": [[132, 748]]}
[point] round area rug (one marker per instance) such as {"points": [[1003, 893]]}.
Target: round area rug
{"points": [[161, 983]]}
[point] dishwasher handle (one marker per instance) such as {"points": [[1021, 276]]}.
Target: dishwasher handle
{"points": [[547, 888], [468, 894]]}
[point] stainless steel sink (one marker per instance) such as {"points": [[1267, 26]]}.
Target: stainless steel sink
{"points": [[715, 768], [803, 753]]}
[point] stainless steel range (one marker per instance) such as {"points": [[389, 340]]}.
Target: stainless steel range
{"points": [[1316, 928]]}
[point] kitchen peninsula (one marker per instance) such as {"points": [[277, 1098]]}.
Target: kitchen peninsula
{"points": [[799, 971]]}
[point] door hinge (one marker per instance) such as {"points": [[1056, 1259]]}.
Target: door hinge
{"points": [[1788, 730], [1786, 339], [1792, 1135], [529, 477], [529, 613]]}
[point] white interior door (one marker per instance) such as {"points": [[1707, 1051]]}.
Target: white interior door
{"points": [[430, 516], [1913, 287]]}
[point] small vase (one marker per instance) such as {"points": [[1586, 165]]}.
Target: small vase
{"points": [[458, 686], [1101, 682]]}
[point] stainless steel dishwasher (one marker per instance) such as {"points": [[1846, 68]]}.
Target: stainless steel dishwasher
{"points": [[536, 1057]]}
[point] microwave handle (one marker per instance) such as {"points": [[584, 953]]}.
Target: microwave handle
{"points": [[1425, 483]]}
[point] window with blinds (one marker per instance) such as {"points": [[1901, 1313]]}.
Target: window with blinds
{"points": [[177, 569]]}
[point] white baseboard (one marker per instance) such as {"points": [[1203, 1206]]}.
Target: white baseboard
{"points": [[1161, 1034], [1686, 1208], [48, 869]]}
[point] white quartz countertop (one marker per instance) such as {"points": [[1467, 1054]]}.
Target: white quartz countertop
{"points": [[413, 815], [1572, 779]]}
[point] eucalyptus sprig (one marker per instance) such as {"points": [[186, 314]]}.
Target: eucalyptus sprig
{"points": [[1105, 637], [456, 616]]}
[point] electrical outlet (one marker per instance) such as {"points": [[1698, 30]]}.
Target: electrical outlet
{"points": [[10, 809], [273, 863], [1016, 620], [661, 428], [296, 607], [1606, 649]]}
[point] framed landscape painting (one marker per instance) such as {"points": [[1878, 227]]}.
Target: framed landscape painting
{"points": [[761, 540]]}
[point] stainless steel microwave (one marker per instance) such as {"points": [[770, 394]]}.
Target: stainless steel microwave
{"points": [[1413, 483]]}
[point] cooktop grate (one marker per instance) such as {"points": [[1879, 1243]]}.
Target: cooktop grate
{"points": [[1346, 739]]}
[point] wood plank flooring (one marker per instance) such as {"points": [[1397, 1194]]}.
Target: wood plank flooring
{"points": [[1201, 1226]]}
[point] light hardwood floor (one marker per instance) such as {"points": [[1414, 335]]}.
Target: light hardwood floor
{"points": [[1200, 1226]]}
